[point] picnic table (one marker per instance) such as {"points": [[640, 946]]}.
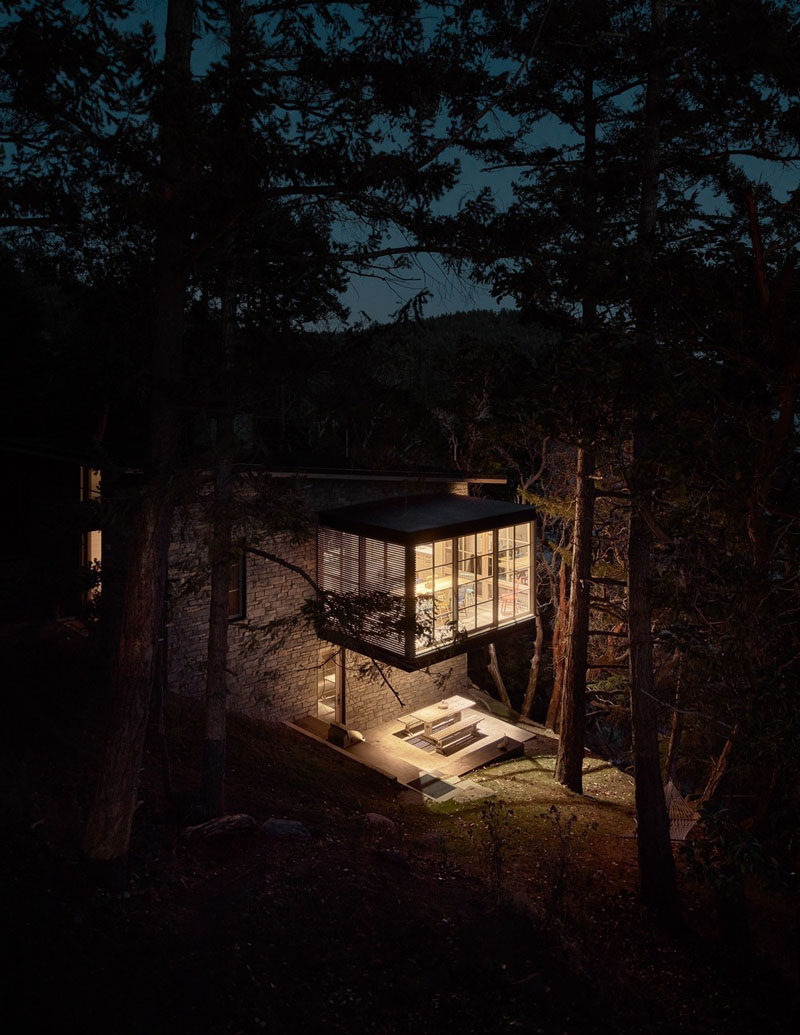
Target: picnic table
{"points": [[437, 716]]}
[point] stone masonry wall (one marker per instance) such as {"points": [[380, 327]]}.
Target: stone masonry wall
{"points": [[369, 701], [274, 651]]}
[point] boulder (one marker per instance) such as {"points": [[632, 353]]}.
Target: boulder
{"points": [[286, 829]]}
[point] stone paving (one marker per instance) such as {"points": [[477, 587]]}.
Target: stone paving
{"points": [[391, 750]]}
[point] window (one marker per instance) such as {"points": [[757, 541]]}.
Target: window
{"points": [[459, 585], [237, 587], [514, 572]]}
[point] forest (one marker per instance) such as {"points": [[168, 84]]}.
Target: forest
{"points": [[190, 190]]}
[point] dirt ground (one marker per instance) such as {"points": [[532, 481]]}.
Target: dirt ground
{"points": [[494, 916]]}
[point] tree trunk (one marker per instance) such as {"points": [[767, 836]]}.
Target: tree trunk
{"points": [[553, 719], [108, 827], [569, 761], [497, 678], [656, 864], [671, 760], [718, 769], [533, 675], [221, 557], [158, 723]]}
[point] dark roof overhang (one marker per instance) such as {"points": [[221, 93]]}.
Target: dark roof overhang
{"points": [[348, 474], [414, 519]]}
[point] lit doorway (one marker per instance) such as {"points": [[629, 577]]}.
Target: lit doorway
{"points": [[330, 684]]}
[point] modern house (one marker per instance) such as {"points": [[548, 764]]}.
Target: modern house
{"points": [[429, 572]]}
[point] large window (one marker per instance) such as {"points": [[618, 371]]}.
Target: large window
{"points": [[513, 572], [475, 581], [471, 583]]}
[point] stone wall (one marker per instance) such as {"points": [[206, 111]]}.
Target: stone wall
{"points": [[369, 700], [274, 651]]}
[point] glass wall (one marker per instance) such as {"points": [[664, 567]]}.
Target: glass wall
{"points": [[513, 572], [433, 591], [463, 585], [472, 583], [475, 581]]}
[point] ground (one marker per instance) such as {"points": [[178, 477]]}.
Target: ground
{"points": [[499, 915]]}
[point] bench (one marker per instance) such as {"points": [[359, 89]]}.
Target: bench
{"points": [[453, 734], [440, 721]]}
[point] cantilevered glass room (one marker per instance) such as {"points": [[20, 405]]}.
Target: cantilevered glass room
{"points": [[445, 573]]}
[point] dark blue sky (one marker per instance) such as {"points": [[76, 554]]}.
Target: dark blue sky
{"points": [[377, 299]]}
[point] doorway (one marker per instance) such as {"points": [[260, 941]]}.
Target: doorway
{"points": [[330, 684]]}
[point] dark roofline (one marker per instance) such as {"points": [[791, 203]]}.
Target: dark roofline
{"points": [[417, 519], [355, 474], [78, 453]]}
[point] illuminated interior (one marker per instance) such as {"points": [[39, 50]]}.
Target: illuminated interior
{"points": [[92, 540], [472, 583]]}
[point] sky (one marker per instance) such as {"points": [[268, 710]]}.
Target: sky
{"points": [[370, 298]]}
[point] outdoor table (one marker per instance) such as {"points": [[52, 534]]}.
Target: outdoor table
{"points": [[443, 714]]}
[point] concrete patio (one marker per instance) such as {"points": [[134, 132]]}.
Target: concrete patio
{"points": [[404, 755]]}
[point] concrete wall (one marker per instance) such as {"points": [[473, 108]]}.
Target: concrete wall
{"points": [[274, 651]]}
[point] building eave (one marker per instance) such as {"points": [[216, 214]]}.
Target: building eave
{"points": [[416, 519]]}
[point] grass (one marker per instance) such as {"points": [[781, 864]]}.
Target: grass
{"points": [[457, 919]]}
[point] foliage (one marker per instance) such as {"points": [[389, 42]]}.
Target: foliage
{"points": [[492, 835], [567, 837]]}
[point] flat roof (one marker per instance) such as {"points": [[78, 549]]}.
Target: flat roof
{"points": [[362, 475], [409, 519]]}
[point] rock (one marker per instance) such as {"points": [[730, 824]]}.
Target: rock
{"points": [[286, 829], [224, 826], [432, 846], [380, 829]]}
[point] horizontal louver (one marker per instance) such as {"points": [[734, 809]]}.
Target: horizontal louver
{"points": [[371, 567], [384, 572], [337, 561]]}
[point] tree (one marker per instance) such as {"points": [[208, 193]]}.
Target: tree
{"points": [[108, 826], [656, 865], [657, 107]]}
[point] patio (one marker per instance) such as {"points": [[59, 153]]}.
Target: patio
{"points": [[402, 749]]}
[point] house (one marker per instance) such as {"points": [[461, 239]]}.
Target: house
{"points": [[51, 545], [457, 572]]}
